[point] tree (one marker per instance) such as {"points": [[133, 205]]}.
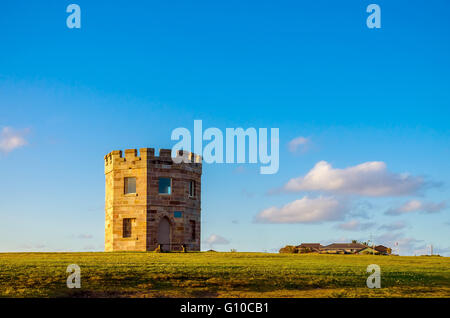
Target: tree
{"points": [[289, 249]]}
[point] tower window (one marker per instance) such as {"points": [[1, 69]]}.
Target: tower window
{"points": [[128, 227], [193, 233], [192, 188], [165, 185], [178, 214], [130, 185]]}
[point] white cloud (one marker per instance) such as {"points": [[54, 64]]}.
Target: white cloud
{"points": [[355, 225], [399, 243], [11, 139], [215, 239], [393, 226], [417, 206], [367, 179], [297, 143], [305, 210]]}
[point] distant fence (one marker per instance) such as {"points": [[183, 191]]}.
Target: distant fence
{"points": [[177, 247]]}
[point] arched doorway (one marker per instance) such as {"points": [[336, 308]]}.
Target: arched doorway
{"points": [[164, 233]]}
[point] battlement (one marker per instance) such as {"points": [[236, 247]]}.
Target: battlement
{"points": [[148, 154]]}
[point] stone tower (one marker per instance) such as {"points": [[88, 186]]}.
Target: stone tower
{"points": [[151, 200]]}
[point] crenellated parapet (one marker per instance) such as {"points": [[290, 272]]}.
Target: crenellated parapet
{"points": [[115, 158]]}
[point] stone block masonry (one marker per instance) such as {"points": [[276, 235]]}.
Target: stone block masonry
{"points": [[151, 200]]}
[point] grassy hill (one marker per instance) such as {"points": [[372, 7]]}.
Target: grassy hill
{"points": [[212, 274]]}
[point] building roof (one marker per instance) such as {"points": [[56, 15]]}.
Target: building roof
{"points": [[311, 245], [339, 246]]}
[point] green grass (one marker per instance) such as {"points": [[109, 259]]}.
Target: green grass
{"points": [[135, 274]]}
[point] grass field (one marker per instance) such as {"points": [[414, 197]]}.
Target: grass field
{"points": [[212, 274]]}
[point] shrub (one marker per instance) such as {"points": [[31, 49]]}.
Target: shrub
{"points": [[289, 249]]}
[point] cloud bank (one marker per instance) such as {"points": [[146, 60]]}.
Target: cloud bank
{"points": [[298, 143], [393, 226], [400, 243], [304, 210], [417, 206], [355, 225], [367, 179], [215, 239], [11, 139]]}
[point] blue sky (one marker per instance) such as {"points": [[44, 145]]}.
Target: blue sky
{"points": [[136, 71]]}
